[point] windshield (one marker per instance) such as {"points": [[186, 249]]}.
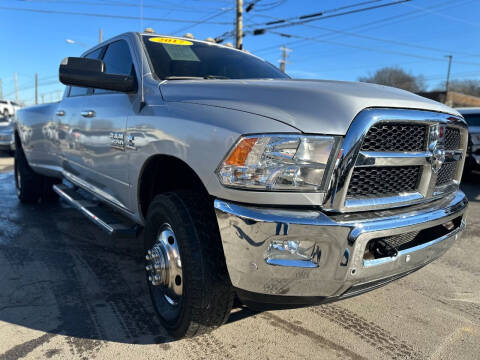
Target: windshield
{"points": [[174, 58], [472, 119]]}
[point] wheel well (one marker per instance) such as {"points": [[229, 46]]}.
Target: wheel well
{"points": [[162, 173], [18, 142]]}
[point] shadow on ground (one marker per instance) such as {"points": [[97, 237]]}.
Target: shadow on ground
{"points": [[61, 275]]}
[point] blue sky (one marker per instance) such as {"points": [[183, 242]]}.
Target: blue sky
{"points": [[415, 35]]}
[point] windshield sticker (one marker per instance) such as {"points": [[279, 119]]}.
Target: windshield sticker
{"points": [[171, 41], [182, 53]]}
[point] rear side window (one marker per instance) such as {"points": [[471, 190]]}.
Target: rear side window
{"points": [[81, 91], [118, 60]]}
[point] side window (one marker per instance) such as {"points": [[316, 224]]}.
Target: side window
{"points": [[81, 91], [118, 60]]}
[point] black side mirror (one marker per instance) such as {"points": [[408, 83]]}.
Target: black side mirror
{"points": [[90, 73]]}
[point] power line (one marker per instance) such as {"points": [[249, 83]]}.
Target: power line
{"points": [[110, 16], [173, 7], [366, 48], [269, 6], [319, 13], [378, 22], [29, 87], [389, 41], [444, 15], [202, 21], [304, 19]]}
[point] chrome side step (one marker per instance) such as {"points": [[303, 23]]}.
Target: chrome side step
{"points": [[114, 224]]}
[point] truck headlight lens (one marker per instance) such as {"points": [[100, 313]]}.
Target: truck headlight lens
{"points": [[278, 163]]}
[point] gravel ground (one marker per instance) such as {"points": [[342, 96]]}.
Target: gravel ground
{"points": [[69, 292]]}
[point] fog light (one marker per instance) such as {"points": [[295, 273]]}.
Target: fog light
{"points": [[295, 253]]}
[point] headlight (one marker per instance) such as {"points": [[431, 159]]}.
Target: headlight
{"points": [[278, 163]]}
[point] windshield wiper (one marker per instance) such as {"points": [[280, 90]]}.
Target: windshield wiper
{"points": [[183, 78], [207, 77], [215, 77]]}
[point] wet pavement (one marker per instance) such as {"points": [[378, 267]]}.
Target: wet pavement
{"points": [[67, 291]]}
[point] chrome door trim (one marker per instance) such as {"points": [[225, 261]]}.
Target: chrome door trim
{"points": [[88, 113]]}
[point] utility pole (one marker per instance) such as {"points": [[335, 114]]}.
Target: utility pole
{"points": [[43, 98], [447, 83], [36, 88], [16, 87], [239, 25], [283, 61], [100, 35]]}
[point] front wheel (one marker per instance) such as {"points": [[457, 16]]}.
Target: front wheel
{"points": [[185, 265]]}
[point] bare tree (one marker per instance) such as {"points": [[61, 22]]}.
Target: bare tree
{"points": [[467, 87], [396, 77]]}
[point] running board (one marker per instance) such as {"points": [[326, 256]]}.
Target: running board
{"points": [[113, 223]]}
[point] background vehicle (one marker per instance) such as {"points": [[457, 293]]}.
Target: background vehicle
{"points": [[8, 108], [472, 117], [7, 140], [248, 184]]}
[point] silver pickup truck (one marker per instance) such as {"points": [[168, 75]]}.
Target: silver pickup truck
{"points": [[248, 186]]}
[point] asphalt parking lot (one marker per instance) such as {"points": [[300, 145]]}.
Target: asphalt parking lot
{"points": [[69, 292]]}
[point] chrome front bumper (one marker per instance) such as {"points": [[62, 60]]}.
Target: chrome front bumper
{"points": [[340, 240]]}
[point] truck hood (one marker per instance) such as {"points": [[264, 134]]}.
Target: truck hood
{"points": [[311, 106]]}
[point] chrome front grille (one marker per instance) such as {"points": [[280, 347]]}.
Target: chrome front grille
{"points": [[383, 180], [395, 158], [395, 137]]}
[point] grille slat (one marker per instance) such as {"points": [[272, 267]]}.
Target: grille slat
{"points": [[397, 241], [452, 139], [383, 181], [446, 173], [395, 137]]}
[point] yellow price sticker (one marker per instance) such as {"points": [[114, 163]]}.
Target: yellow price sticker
{"points": [[171, 41]]}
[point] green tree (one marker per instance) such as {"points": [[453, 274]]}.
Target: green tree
{"points": [[396, 77]]}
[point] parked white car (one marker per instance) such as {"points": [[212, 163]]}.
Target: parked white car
{"points": [[8, 108], [7, 140]]}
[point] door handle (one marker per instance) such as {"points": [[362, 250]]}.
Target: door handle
{"points": [[60, 113], [88, 113]]}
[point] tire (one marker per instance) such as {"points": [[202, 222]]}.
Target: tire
{"points": [[30, 186], [206, 292]]}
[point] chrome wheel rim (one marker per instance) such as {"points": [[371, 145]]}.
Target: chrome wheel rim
{"points": [[164, 266]]}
